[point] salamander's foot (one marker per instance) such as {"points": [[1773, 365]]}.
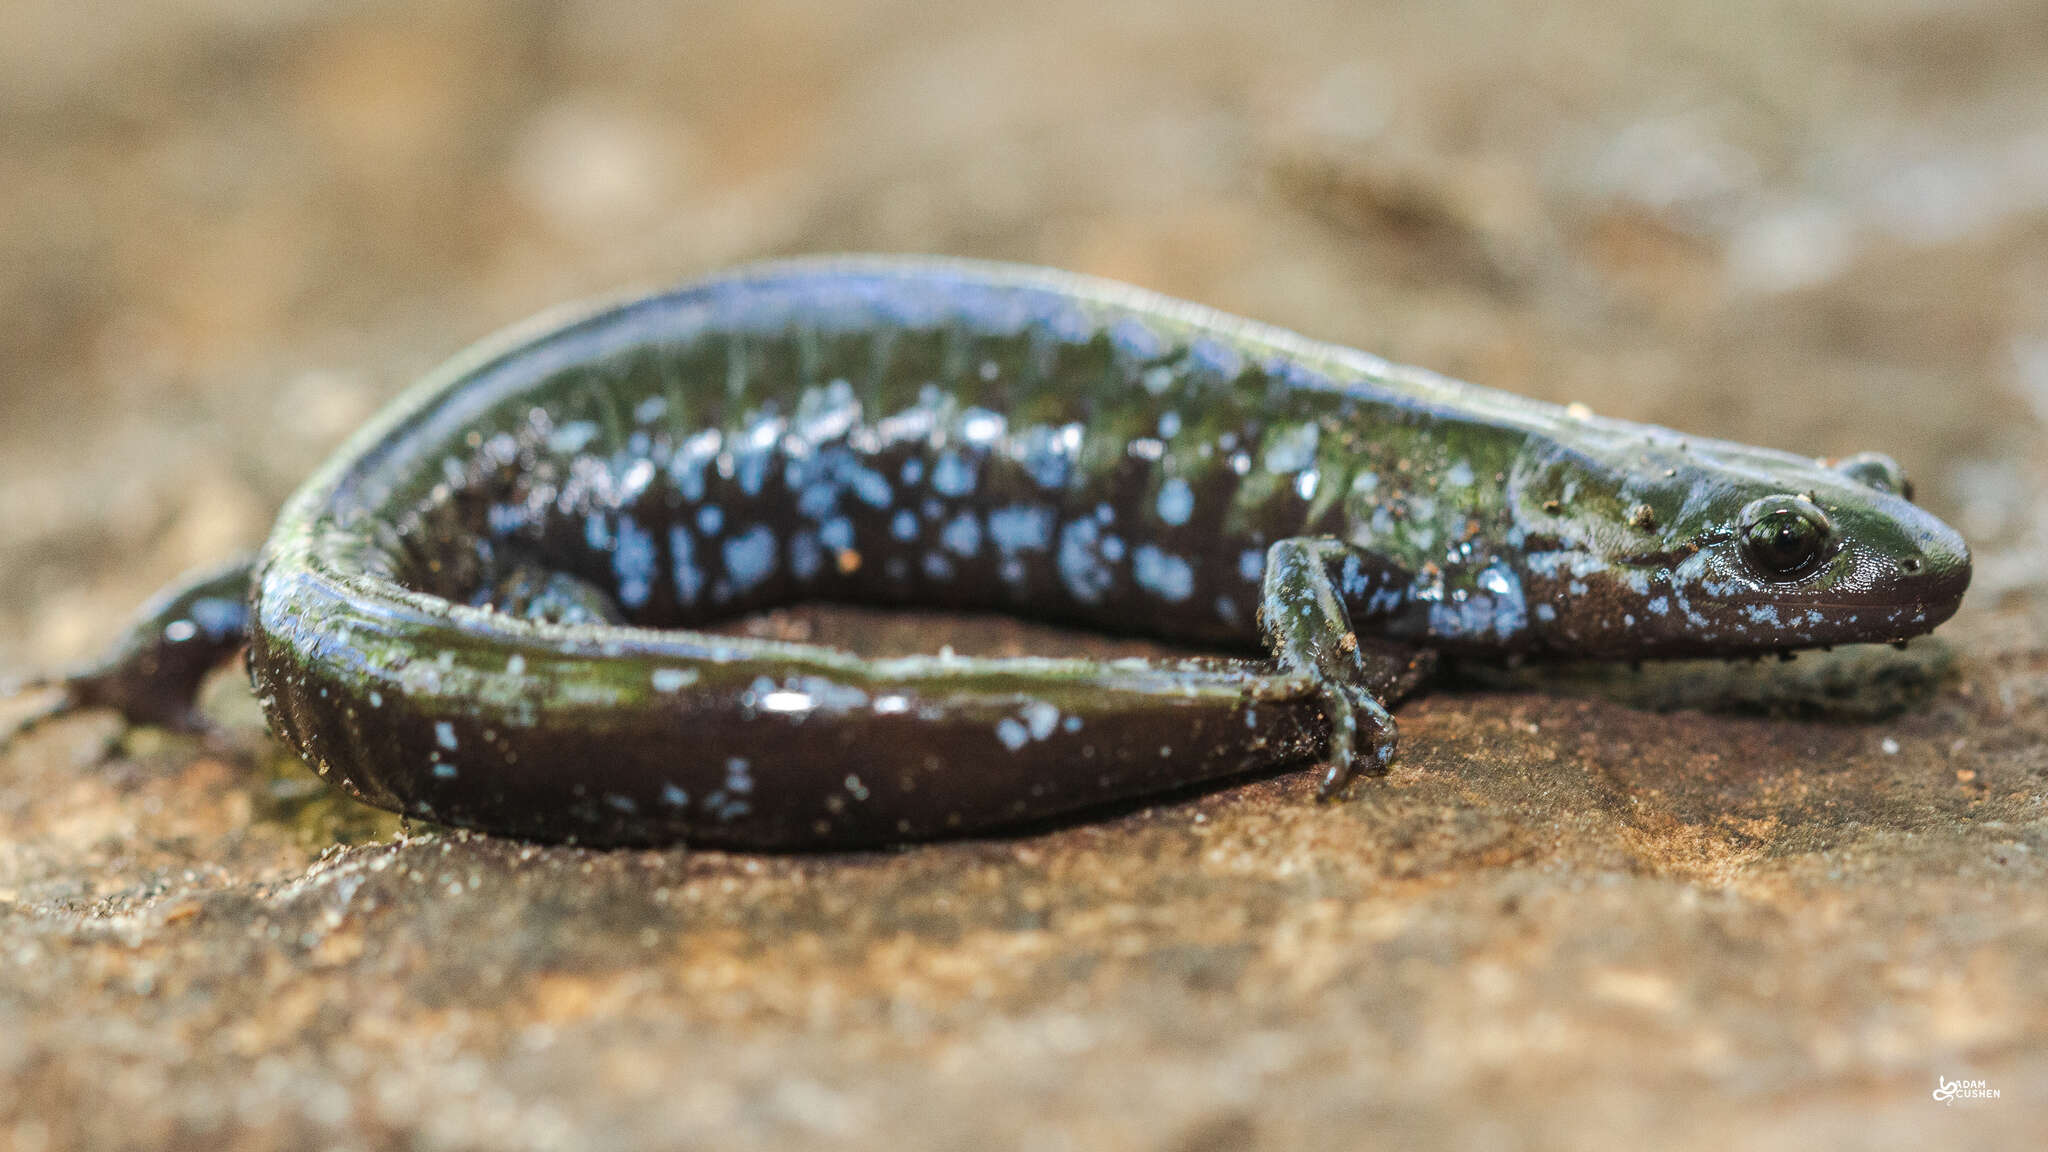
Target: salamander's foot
{"points": [[1362, 737]]}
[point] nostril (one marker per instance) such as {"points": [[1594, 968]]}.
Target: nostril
{"points": [[1911, 566]]}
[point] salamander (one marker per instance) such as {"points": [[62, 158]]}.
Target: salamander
{"points": [[486, 609]]}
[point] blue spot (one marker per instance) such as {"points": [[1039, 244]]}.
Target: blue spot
{"points": [[963, 535], [1012, 733], [904, 527], [1112, 548], [913, 470], [1165, 575], [1252, 565], [683, 558], [753, 471], [837, 534], [818, 500], [1176, 501], [1087, 578], [952, 476], [750, 557], [805, 557], [1226, 609], [1291, 448], [633, 563], [937, 566], [710, 519], [596, 533], [1353, 582], [871, 488], [1169, 425], [1131, 337], [1019, 528]]}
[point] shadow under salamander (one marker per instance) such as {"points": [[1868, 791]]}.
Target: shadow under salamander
{"points": [[1852, 685]]}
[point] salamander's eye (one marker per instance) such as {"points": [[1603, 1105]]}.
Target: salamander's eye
{"points": [[1783, 537], [1876, 470]]}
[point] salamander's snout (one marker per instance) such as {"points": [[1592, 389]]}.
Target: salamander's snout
{"points": [[1937, 572]]}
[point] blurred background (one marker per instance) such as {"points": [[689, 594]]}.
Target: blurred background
{"points": [[228, 231]]}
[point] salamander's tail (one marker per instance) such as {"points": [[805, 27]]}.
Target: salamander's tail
{"points": [[62, 702], [152, 672]]}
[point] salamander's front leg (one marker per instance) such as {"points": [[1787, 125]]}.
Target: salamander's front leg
{"points": [[1310, 631]]}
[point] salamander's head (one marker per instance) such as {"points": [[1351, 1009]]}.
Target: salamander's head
{"points": [[1640, 543]]}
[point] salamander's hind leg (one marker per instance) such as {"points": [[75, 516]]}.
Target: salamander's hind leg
{"points": [[152, 672], [1310, 632]]}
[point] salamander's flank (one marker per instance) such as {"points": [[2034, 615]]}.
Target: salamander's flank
{"points": [[482, 610]]}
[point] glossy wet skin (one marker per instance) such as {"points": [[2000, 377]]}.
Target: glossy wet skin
{"points": [[1703, 548], [481, 611]]}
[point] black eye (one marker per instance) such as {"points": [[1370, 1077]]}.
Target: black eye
{"points": [[1782, 537]]}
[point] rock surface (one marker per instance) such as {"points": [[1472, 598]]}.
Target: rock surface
{"points": [[1591, 908]]}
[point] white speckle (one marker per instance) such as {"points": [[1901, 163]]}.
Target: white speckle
{"points": [[672, 679], [515, 665], [1169, 425], [376, 699], [786, 701], [855, 787], [710, 519], [981, 425], [1145, 448], [444, 735], [673, 796], [1176, 501], [892, 705], [1071, 724], [650, 409], [1890, 746], [444, 772], [1305, 484], [179, 631], [1458, 475], [736, 777], [1157, 379]]}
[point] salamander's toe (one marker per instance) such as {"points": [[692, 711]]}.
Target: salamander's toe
{"points": [[1362, 738]]}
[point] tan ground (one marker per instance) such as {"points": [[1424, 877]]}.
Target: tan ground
{"points": [[1689, 907]]}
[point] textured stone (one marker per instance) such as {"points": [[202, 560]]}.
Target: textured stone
{"points": [[1687, 906]]}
